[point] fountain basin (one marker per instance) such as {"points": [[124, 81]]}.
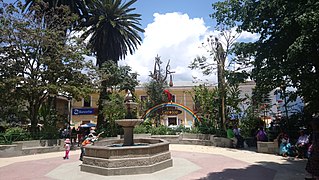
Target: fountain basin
{"points": [[105, 159], [129, 122]]}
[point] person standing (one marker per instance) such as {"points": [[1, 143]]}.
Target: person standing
{"points": [[312, 166], [88, 141], [240, 139], [67, 147]]}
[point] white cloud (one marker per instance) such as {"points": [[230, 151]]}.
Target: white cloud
{"points": [[247, 36], [178, 38], [174, 37]]}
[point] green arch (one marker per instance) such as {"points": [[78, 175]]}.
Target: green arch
{"points": [[171, 104]]}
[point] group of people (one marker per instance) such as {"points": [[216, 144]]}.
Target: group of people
{"points": [[300, 149], [86, 141]]}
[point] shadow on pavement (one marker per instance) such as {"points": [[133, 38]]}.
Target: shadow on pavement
{"points": [[263, 170]]}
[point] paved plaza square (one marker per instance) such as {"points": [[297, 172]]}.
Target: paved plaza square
{"points": [[189, 162]]}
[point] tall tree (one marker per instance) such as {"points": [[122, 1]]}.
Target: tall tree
{"points": [[25, 60], [219, 54], [78, 7], [287, 50], [114, 32], [156, 86], [119, 78], [42, 11]]}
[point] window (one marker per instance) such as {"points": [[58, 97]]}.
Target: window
{"points": [[87, 101], [172, 121], [173, 98]]}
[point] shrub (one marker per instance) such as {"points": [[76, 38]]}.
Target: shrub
{"points": [[249, 126], [17, 133], [161, 130], [140, 129]]}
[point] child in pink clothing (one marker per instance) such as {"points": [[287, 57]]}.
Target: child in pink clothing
{"points": [[67, 146]]}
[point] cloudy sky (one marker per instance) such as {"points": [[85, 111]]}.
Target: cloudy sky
{"points": [[175, 31]]}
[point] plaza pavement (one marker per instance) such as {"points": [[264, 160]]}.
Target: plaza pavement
{"points": [[189, 162]]}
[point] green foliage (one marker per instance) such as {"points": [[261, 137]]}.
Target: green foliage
{"points": [[113, 32], [195, 130], [206, 126], [206, 102], [113, 29], [233, 100], [37, 61], [117, 78], [17, 134], [154, 91], [15, 130], [114, 109], [218, 53], [250, 124], [143, 128], [112, 80], [286, 52], [182, 128], [160, 130], [75, 6]]}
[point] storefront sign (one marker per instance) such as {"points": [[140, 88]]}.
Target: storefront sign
{"points": [[171, 112], [83, 111]]}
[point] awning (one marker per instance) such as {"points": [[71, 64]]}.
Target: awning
{"points": [[88, 125]]}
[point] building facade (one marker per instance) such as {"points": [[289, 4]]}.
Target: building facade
{"points": [[85, 110]]}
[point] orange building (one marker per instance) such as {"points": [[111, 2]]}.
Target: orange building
{"points": [[183, 99], [85, 111]]}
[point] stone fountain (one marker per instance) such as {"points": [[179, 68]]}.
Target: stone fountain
{"points": [[127, 156]]}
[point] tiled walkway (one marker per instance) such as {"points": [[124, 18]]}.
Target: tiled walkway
{"points": [[189, 162]]}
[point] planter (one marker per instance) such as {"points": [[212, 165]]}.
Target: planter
{"points": [[43, 143], [52, 142], [251, 142]]}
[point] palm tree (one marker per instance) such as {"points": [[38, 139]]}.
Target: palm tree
{"points": [[114, 32]]}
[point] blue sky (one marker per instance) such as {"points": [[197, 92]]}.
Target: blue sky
{"points": [[194, 8], [175, 31]]}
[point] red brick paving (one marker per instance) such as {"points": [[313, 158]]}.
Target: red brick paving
{"points": [[221, 167], [35, 169], [212, 167]]}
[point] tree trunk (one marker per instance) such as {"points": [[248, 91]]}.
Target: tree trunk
{"points": [[34, 110], [103, 98], [221, 89]]}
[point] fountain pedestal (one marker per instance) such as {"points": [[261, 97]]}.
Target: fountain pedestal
{"points": [[128, 126]]}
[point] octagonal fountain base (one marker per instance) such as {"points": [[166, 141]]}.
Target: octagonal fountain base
{"points": [[110, 158]]}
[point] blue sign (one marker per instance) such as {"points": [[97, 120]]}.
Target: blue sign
{"points": [[83, 111]]}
